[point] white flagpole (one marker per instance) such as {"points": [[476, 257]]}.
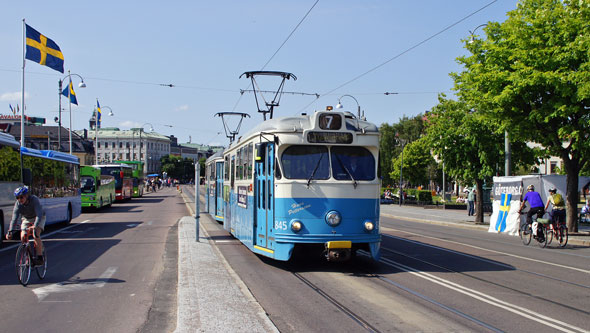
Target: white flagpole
{"points": [[70, 100], [22, 110]]}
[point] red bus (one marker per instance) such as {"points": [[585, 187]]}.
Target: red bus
{"points": [[123, 179]]}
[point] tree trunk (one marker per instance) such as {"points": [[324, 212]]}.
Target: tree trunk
{"points": [[572, 169], [479, 202]]}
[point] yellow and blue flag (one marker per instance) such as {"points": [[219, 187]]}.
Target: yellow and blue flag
{"points": [[72, 94], [504, 210], [98, 114], [43, 50]]}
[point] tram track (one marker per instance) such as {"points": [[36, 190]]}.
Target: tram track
{"points": [[356, 318]]}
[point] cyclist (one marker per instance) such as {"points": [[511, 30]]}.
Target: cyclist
{"points": [[536, 206], [558, 212], [28, 207]]}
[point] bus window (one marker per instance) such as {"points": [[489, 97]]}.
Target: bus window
{"points": [[88, 184]]}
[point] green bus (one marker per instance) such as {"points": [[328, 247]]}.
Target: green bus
{"points": [[138, 179], [97, 190]]}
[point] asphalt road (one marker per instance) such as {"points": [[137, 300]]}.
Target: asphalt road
{"points": [[103, 272], [431, 278]]}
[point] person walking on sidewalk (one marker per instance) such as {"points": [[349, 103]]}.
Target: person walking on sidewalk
{"points": [[471, 202]]}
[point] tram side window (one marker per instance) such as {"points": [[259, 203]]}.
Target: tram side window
{"points": [[305, 162], [239, 164], [226, 168], [233, 171], [250, 160], [9, 164], [355, 161]]}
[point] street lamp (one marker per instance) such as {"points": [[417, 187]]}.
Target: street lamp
{"points": [[339, 106], [80, 85], [96, 125], [141, 144], [507, 150]]}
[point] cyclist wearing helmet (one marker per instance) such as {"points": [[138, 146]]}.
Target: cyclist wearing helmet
{"points": [[28, 207], [535, 203], [558, 212]]}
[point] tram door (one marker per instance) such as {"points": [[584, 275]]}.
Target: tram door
{"points": [[219, 189], [264, 194]]}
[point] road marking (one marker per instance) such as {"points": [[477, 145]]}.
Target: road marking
{"points": [[46, 235], [70, 286], [524, 312], [484, 249], [133, 225]]}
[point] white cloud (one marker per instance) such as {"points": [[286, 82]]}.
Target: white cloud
{"points": [[129, 123], [182, 108], [12, 96]]}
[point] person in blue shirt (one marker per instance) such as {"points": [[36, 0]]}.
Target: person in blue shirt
{"points": [[535, 203]]}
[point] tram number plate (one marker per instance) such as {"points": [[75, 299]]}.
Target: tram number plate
{"points": [[280, 225]]}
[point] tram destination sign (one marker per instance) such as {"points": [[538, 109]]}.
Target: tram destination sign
{"points": [[329, 137]]}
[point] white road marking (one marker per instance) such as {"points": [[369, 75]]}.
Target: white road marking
{"points": [[70, 286], [133, 225], [524, 312], [488, 250], [46, 235]]}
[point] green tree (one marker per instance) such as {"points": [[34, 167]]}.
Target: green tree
{"points": [[418, 163], [408, 130], [468, 145], [532, 76]]}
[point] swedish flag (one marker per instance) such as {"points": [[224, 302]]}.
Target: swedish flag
{"points": [[43, 50], [504, 210], [98, 114], [72, 94]]}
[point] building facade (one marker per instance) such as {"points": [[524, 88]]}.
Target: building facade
{"points": [[131, 145]]}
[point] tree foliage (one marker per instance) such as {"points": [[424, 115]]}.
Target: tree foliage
{"points": [[418, 163], [531, 75], [178, 167]]}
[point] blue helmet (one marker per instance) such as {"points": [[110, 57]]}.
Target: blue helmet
{"points": [[21, 191]]}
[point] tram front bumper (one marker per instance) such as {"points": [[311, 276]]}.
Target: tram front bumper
{"points": [[338, 250]]}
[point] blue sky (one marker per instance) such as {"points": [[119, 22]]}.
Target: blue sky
{"points": [[126, 49]]}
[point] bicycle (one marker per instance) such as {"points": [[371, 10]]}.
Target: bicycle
{"points": [[526, 232], [559, 231], [24, 261]]}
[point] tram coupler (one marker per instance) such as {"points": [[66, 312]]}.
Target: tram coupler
{"points": [[338, 250]]}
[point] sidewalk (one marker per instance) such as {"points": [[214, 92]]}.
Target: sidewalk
{"points": [[459, 218], [211, 297]]}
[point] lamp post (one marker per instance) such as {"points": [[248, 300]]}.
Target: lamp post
{"points": [[141, 144], [507, 150], [339, 106], [401, 172], [96, 125], [81, 85]]}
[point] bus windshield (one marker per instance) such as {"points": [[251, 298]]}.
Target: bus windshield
{"points": [[355, 162], [306, 162], [88, 185]]}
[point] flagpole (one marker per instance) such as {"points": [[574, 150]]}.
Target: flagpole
{"points": [[70, 100], [96, 132], [22, 112]]}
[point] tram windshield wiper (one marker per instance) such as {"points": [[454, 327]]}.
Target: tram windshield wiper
{"points": [[348, 172], [314, 170]]}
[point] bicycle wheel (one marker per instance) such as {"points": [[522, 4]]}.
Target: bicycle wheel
{"points": [[550, 232], [23, 264], [42, 269], [542, 236], [525, 233], [562, 235]]}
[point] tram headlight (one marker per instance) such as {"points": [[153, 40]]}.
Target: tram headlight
{"points": [[296, 225], [333, 218], [369, 226]]}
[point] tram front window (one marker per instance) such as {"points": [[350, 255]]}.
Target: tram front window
{"points": [[306, 162], [357, 162]]}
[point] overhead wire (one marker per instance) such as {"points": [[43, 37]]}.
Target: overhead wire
{"points": [[404, 52], [280, 47]]}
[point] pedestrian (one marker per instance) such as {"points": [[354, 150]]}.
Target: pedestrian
{"points": [[471, 202]]}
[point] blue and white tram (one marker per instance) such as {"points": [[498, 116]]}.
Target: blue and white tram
{"points": [[305, 181], [214, 185]]}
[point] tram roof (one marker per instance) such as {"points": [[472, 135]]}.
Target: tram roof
{"points": [[304, 121], [217, 155]]}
